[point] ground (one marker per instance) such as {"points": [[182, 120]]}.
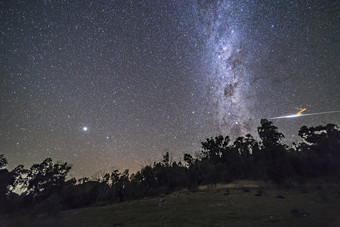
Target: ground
{"points": [[244, 203]]}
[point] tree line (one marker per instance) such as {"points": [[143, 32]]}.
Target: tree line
{"points": [[45, 187]]}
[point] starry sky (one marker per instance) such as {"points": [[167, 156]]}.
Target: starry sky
{"points": [[115, 84]]}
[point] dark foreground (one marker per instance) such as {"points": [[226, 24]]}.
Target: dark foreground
{"points": [[243, 203]]}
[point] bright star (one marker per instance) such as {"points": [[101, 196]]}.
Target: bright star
{"points": [[85, 129]]}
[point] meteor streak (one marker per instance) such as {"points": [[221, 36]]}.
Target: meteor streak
{"points": [[302, 115]]}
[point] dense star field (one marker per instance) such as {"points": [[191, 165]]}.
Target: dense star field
{"points": [[116, 84]]}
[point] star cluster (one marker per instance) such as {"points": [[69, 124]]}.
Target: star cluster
{"points": [[115, 84]]}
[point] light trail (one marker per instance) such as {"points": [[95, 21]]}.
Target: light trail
{"points": [[302, 115]]}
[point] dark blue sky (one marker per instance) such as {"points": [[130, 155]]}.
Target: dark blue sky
{"points": [[146, 77]]}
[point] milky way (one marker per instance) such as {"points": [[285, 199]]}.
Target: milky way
{"points": [[268, 57], [229, 82], [116, 84]]}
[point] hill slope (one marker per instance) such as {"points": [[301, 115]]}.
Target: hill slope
{"points": [[240, 204]]}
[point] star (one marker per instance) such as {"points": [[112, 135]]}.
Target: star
{"points": [[134, 81]]}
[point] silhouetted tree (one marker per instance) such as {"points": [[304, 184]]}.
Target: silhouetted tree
{"points": [[166, 160], [245, 147], [46, 178], [83, 180], [6, 180], [276, 162], [3, 162], [321, 147], [188, 159], [213, 148], [269, 134], [45, 185]]}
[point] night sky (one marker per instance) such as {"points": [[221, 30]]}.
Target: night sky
{"points": [[116, 84]]}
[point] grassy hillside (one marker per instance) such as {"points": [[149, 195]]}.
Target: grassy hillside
{"points": [[243, 203]]}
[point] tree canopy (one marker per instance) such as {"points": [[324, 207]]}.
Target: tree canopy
{"points": [[219, 161]]}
